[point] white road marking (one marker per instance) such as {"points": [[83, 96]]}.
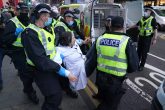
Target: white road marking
{"points": [[138, 79], [156, 57], [154, 69], [154, 74], [139, 91]]}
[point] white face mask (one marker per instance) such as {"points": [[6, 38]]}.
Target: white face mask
{"points": [[146, 14]]}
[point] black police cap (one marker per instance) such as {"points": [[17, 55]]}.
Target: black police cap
{"points": [[42, 8], [21, 6], [117, 21], [68, 13]]}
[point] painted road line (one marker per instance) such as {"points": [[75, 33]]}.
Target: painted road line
{"points": [[91, 90], [139, 91], [156, 57], [162, 36], [155, 69], [139, 79]]}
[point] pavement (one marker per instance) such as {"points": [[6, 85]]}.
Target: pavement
{"points": [[12, 97], [141, 86]]}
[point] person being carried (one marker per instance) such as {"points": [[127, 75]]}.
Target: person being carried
{"points": [[71, 56]]}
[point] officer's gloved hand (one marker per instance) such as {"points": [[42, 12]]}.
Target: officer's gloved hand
{"points": [[18, 31], [66, 73], [79, 41]]}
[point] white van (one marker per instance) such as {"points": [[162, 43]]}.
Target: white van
{"points": [[159, 13], [93, 17], [93, 20]]}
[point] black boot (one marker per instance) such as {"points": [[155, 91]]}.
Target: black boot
{"points": [[72, 94], [140, 68], [97, 97], [33, 97]]}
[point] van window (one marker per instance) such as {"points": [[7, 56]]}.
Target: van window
{"points": [[98, 18], [101, 14], [160, 12]]}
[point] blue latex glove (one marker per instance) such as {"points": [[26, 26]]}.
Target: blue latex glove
{"points": [[79, 41], [62, 56], [63, 72], [18, 31]]}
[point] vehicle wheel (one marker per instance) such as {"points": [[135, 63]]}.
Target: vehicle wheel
{"points": [[159, 27]]}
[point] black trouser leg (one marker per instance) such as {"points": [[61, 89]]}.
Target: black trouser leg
{"points": [[112, 92], [64, 82], [145, 50], [49, 86], [139, 49], [27, 79], [2, 53], [100, 89], [19, 60], [144, 58]]}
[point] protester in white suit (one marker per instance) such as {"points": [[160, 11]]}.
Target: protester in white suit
{"points": [[70, 55]]}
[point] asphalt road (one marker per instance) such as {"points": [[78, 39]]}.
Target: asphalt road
{"points": [[141, 87]]}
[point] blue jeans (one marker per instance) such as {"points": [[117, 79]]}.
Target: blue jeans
{"points": [[2, 53]]}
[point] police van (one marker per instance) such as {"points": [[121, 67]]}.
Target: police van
{"points": [[92, 15]]}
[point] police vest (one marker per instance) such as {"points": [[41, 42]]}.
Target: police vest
{"points": [[54, 22], [146, 28], [63, 25], [18, 24], [111, 56], [78, 22], [48, 41]]}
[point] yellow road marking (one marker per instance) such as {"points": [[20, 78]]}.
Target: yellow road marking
{"points": [[92, 86], [91, 90]]}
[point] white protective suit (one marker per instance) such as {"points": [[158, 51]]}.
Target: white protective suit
{"points": [[74, 61]]}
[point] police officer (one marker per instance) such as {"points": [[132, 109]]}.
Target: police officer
{"points": [[54, 15], [114, 55], [107, 30], [11, 40], [148, 33], [70, 24], [64, 82], [108, 23], [40, 52], [63, 25], [5, 16]]}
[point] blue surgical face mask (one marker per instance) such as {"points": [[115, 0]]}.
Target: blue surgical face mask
{"points": [[70, 23], [48, 22]]}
